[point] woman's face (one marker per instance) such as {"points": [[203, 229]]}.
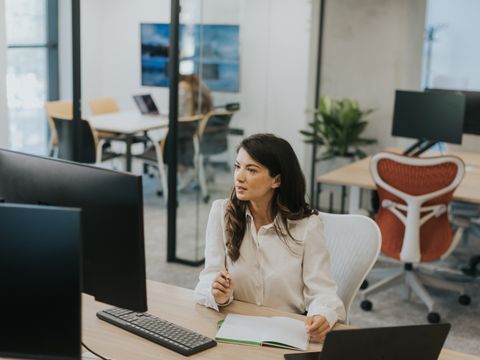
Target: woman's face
{"points": [[252, 180]]}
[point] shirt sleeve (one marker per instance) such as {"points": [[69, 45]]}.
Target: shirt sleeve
{"points": [[214, 257], [320, 290]]}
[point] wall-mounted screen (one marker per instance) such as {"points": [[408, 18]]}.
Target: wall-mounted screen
{"points": [[212, 51]]}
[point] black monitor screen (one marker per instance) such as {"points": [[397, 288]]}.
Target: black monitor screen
{"points": [[112, 219], [471, 124], [40, 282], [429, 116]]}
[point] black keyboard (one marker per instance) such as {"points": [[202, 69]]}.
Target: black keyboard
{"points": [[174, 337]]}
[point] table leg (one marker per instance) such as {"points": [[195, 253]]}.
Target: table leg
{"points": [[128, 155], [317, 195], [354, 200]]}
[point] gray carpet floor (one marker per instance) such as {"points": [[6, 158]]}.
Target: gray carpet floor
{"points": [[388, 309]]}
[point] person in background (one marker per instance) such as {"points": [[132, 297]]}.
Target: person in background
{"points": [[194, 97], [265, 245]]}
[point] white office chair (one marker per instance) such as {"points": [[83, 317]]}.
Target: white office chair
{"points": [[354, 243]]}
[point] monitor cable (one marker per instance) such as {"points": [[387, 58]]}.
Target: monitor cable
{"points": [[93, 352]]}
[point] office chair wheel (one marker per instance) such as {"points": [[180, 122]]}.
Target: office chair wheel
{"points": [[464, 299], [433, 317], [206, 199], [364, 285], [366, 305]]}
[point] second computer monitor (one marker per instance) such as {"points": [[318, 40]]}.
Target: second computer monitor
{"points": [[471, 124], [40, 282], [429, 116], [112, 219]]}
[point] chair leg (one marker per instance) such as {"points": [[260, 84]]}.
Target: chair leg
{"points": [[383, 284], [414, 282], [202, 178], [440, 284], [161, 171]]}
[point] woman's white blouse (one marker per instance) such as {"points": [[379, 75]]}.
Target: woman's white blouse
{"points": [[268, 272]]}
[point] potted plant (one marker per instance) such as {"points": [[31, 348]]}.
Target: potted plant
{"points": [[337, 127]]}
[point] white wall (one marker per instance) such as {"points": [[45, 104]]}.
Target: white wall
{"points": [[4, 129], [275, 57], [371, 48]]}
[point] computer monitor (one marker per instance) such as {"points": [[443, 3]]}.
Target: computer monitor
{"points": [[471, 124], [112, 219], [145, 104], [429, 116], [40, 282]]}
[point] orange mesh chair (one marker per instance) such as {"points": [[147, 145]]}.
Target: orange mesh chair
{"points": [[413, 219]]}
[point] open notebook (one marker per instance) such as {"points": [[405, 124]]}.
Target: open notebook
{"points": [[260, 330]]}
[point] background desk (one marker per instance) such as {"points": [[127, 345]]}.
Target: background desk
{"points": [[177, 305], [357, 176], [128, 123]]}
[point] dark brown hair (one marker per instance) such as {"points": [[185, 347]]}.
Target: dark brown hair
{"points": [[288, 201]]}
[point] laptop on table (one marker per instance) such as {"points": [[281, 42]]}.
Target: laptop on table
{"points": [[414, 342], [146, 105]]}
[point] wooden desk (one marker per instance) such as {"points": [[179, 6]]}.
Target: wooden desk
{"points": [[177, 305], [357, 176], [128, 123]]}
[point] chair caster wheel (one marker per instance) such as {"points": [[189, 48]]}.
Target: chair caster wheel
{"points": [[364, 285], [464, 299], [206, 199], [433, 317], [366, 305]]}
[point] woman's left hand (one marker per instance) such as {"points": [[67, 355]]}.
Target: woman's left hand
{"points": [[317, 327]]}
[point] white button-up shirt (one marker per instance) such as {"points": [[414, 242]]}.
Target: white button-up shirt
{"points": [[293, 277]]}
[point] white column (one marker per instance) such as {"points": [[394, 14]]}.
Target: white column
{"points": [[4, 131]]}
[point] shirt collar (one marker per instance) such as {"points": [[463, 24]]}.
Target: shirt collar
{"points": [[249, 218]]}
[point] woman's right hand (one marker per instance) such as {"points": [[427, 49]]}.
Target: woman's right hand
{"points": [[222, 288]]}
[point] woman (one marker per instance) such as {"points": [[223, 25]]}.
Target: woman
{"points": [[194, 97], [265, 245]]}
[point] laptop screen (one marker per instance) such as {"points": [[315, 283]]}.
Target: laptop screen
{"points": [[145, 104]]}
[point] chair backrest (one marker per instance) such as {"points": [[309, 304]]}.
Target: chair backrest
{"points": [[103, 106], [213, 132], [186, 142], [354, 244], [60, 109], [414, 194], [66, 129]]}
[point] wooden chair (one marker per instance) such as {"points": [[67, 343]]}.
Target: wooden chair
{"points": [[61, 109], [188, 149], [92, 147], [213, 139]]}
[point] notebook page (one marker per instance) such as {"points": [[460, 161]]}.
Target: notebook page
{"points": [[243, 328], [286, 331]]}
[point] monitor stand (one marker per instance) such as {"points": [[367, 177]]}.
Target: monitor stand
{"points": [[422, 145]]}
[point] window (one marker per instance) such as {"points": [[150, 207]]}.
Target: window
{"points": [[32, 70]]}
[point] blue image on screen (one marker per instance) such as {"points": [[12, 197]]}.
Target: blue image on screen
{"points": [[217, 57]]}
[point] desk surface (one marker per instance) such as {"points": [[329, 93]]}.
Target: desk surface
{"points": [[176, 305], [127, 122], [358, 174]]}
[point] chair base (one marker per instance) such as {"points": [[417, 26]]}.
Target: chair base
{"points": [[416, 282]]}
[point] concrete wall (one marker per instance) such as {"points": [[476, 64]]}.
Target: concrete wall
{"points": [[371, 48], [4, 131]]}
